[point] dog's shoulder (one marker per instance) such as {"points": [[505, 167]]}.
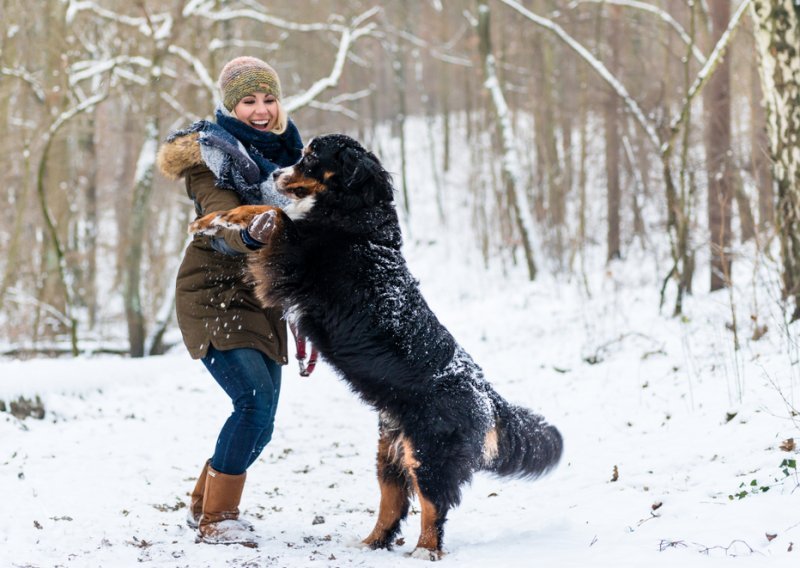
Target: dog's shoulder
{"points": [[179, 154]]}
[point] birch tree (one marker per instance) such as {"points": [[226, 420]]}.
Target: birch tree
{"points": [[777, 37]]}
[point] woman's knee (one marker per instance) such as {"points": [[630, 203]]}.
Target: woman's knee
{"points": [[256, 409]]}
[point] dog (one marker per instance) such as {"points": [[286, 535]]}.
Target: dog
{"points": [[333, 261]]}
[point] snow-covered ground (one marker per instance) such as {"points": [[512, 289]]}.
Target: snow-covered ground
{"points": [[665, 406]]}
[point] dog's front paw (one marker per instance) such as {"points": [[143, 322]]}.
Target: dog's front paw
{"points": [[241, 217], [207, 225], [237, 218]]}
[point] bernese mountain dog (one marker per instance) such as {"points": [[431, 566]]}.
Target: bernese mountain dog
{"points": [[333, 260]]}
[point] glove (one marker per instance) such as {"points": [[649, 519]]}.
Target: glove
{"points": [[259, 229]]}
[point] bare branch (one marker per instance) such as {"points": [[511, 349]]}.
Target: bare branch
{"points": [[303, 99], [143, 24], [704, 75], [217, 44], [334, 108], [596, 64], [346, 97], [435, 51], [87, 69], [644, 6], [205, 10], [199, 68], [27, 78]]}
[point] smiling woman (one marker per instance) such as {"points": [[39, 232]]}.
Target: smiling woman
{"points": [[226, 164]]}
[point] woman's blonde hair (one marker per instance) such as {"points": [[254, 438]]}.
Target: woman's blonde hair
{"points": [[283, 120]]}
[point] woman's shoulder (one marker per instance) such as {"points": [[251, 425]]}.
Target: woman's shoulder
{"points": [[180, 152]]}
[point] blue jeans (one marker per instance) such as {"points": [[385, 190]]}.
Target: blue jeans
{"points": [[253, 382]]}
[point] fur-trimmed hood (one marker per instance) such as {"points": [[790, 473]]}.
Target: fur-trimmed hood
{"points": [[179, 154], [241, 158]]}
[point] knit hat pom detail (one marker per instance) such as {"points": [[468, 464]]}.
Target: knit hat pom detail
{"points": [[246, 75]]}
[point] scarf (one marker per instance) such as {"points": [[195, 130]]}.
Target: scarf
{"points": [[243, 158]]}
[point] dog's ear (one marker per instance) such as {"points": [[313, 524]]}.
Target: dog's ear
{"points": [[361, 168], [353, 172]]}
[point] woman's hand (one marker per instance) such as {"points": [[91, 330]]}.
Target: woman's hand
{"points": [[262, 226]]}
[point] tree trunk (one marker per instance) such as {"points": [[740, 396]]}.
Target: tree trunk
{"points": [[89, 245], [777, 40], [142, 189], [613, 195], [516, 195], [759, 153], [399, 69], [718, 150]]}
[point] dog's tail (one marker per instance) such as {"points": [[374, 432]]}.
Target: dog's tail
{"points": [[525, 445]]}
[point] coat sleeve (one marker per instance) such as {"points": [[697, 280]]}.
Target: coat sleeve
{"points": [[208, 198]]}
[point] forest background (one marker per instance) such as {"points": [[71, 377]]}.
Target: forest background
{"points": [[682, 114]]}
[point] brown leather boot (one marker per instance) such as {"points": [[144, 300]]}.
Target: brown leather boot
{"points": [[219, 523], [196, 500]]}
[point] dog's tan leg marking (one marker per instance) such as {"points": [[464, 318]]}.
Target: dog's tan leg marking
{"points": [[241, 216], [428, 546], [394, 498]]}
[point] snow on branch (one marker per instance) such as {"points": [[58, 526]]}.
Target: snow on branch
{"points": [[596, 64], [348, 37], [88, 69], [437, 52], [145, 24], [70, 113], [205, 10], [334, 105], [199, 68], [663, 14], [334, 108], [217, 44], [704, 75], [25, 76]]}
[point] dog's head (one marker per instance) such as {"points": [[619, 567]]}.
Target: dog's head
{"points": [[337, 170]]}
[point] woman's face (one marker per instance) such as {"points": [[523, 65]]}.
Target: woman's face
{"points": [[258, 110]]}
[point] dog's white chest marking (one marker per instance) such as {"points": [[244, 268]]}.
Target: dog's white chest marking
{"points": [[296, 210]]}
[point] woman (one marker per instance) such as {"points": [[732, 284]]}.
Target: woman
{"points": [[225, 164]]}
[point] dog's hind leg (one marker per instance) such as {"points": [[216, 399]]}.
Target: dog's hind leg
{"points": [[427, 480], [395, 493]]}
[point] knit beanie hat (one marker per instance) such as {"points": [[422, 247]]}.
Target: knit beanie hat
{"points": [[245, 75]]}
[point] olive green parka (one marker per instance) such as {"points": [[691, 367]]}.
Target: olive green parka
{"points": [[215, 304]]}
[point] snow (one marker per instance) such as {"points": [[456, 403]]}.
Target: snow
{"points": [[666, 403]]}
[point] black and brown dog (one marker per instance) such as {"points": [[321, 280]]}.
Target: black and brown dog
{"points": [[333, 260]]}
